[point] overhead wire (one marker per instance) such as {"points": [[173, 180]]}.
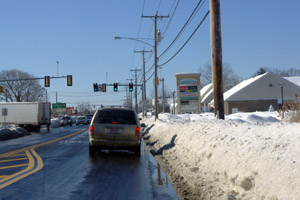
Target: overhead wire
{"points": [[195, 11], [186, 40], [165, 30]]}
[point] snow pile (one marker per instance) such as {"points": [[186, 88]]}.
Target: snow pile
{"points": [[246, 156], [11, 131]]}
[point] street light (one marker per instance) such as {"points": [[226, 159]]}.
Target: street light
{"points": [[281, 88], [135, 39], [155, 63]]}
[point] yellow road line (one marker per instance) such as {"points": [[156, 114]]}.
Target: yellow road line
{"points": [[15, 155], [13, 166], [29, 167], [11, 160], [22, 174], [39, 167], [41, 144], [3, 176]]}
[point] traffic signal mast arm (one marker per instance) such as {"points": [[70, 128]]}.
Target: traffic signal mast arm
{"points": [[46, 79], [30, 79], [115, 85]]}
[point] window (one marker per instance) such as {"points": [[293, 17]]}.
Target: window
{"points": [[119, 116]]}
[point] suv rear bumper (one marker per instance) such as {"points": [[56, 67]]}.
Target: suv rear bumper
{"points": [[108, 144]]}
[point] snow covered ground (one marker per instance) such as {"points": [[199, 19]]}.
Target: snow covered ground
{"points": [[246, 156]]}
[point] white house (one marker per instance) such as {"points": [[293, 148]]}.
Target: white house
{"points": [[258, 93]]}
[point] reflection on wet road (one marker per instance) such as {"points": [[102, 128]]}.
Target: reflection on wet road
{"points": [[58, 166]]}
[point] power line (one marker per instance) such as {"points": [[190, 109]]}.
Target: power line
{"points": [[187, 40], [196, 9], [171, 18]]}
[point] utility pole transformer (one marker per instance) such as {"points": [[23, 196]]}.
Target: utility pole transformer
{"points": [[155, 17], [216, 47]]}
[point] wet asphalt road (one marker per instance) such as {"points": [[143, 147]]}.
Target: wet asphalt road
{"points": [[62, 169]]}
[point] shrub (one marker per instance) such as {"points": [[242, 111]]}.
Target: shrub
{"points": [[291, 110]]}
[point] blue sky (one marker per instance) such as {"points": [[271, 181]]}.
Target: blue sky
{"points": [[80, 34]]}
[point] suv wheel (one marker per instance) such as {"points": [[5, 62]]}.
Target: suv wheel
{"points": [[92, 150], [137, 150]]}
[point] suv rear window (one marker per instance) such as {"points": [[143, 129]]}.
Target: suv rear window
{"points": [[115, 116]]}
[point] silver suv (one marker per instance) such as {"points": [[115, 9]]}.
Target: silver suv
{"points": [[115, 128]]}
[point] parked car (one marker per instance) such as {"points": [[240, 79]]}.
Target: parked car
{"points": [[81, 120], [66, 120], [89, 118], [115, 128]]}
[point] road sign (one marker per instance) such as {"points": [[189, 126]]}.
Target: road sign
{"points": [[58, 105], [4, 112]]}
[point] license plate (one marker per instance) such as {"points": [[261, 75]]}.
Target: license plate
{"points": [[114, 130]]}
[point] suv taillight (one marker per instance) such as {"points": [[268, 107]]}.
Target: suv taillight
{"points": [[91, 130], [137, 131]]}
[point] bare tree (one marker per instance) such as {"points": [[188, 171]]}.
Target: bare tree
{"points": [[230, 79], [279, 72], [20, 90]]}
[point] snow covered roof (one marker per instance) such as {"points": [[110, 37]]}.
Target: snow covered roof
{"points": [[187, 73], [262, 87], [293, 79], [241, 85], [208, 97], [205, 89]]}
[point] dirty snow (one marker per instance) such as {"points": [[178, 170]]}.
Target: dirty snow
{"points": [[245, 156]]}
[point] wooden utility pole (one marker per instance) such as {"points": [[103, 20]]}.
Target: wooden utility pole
{"points": [[144, 80], [135, 91], [216, 47], [155, 17]]}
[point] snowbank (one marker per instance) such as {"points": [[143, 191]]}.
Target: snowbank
{"points": [[11, 131], [246, 156]]}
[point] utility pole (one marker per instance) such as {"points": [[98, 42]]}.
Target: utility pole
{"points": [[163, 93], [6, 99], [155, 17], [135, 91], [144, 79], [130, 93], [216, 47]]}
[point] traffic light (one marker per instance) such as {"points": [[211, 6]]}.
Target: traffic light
{"points": [[130, 87], [115, 87], [69, 80], [103, 87], [95, 87], [1, 89], [47, 81]]}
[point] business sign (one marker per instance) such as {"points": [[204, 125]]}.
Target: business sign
{"points": [[188, 95]]}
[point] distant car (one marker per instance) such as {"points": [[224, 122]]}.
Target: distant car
{"points": [[89, 118], [66, 120], [115, 128], [81, 120]]}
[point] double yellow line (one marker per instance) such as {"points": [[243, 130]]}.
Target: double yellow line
{"points": [[32, 156]]}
